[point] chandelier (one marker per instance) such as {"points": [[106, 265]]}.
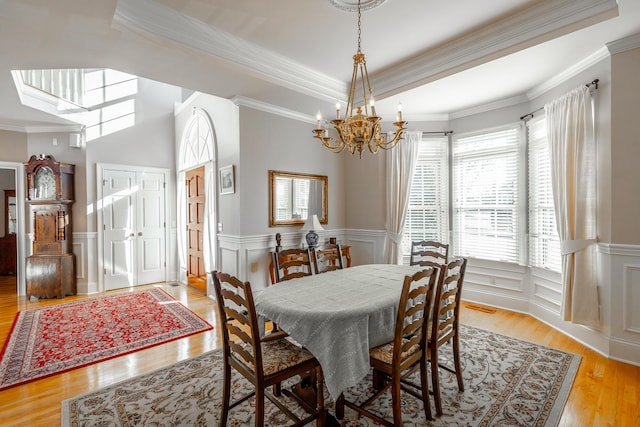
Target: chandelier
{"points": [[360, 125]]}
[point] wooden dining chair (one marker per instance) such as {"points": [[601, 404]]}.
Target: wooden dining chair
{"points": [[445, 324], [405, 354], [429, 253], [327, 257], [291, 263], [263, 361]]}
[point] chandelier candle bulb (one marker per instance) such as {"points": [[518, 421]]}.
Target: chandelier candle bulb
{"points": [[337, 110], [318, 117], [373, 106], [399, 112]]}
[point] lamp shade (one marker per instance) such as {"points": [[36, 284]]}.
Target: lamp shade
{"points": [[313, 223]]}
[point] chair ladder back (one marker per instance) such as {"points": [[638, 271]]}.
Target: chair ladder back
{"points": [[429, 253], [291, 263], [240, 328], [327, 257], [413, 312]]}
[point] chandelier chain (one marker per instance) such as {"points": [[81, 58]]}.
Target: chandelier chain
{"points": [[359, 27]]}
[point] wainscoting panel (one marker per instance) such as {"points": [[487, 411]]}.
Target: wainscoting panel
{"points": [[498, 284], [619, 286], [367, 246], [631, 298], [546, 289], [85, 250], [229, 261]]}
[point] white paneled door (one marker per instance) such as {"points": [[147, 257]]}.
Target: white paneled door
{"points": [[134, 233]]}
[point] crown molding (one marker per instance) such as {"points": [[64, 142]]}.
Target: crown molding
{"points": [[54, 129], [490, 106], [151, 19], [41, 129], [12, 128], [569, 73], [540, 22], [272, 109], [622, 45], [418, 117]]}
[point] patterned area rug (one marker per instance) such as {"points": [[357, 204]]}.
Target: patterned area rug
{"points": [[508, 382], [50, 340]]}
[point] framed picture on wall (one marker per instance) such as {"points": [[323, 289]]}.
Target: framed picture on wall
{"points": [[227, 182]]}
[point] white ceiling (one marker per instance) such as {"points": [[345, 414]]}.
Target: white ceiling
{"points": [[438, 58]]}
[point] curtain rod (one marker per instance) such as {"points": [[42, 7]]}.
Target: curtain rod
{"points": [[530, 115]]}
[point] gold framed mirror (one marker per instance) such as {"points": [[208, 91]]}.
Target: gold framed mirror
{"points": [[292, 196]]}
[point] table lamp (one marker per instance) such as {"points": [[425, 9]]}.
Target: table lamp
{"points": [[312, 225]]}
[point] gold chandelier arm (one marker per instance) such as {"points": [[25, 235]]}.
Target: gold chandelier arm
{"points": [[382, 141], [332, 144]]}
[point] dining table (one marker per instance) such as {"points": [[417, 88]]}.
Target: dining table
{"points": [[338, 316]]}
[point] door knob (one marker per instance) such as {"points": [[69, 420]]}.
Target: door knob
{"points": [[132, 235], [139, 233]]}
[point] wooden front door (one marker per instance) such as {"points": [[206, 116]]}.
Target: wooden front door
{"points": [[196, 275]]}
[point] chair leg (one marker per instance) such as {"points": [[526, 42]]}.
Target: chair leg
{"points": [[259, 407], [435, 381], [426, 402], [395, 399], [340, 407], [226, 394], [277, 389], [456, 361]]}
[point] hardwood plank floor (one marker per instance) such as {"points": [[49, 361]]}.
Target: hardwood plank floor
{"points": [[605, 392]]}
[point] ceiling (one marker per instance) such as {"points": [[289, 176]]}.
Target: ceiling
{"points": [[438, 58]]}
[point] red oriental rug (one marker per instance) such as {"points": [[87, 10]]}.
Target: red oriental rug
{"points": [[50, 340]]}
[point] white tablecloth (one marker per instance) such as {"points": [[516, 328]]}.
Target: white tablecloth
{"points": [[338, 316]]}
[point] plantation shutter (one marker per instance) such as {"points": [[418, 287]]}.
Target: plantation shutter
{"points": [[544, 243], [283, 209], [300, 194], [427, 214], [486, 196]]}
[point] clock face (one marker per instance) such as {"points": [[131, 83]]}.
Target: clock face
{"points": [[45, 184]]}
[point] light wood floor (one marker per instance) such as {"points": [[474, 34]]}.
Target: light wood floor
{"points": [[605, 392]]}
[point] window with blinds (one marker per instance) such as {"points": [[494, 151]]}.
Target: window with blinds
{"points": [[427, 215], [544, 243], [294, 202], [487, 177]]}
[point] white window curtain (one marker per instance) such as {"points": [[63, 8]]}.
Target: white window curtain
{"points": [[400, 165], [570, 128]]}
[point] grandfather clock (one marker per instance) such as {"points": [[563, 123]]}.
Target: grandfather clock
{"points": [[50, 195]]}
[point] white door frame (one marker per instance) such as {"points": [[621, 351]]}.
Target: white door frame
{"points": [[21, 235], [169, 201]]}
